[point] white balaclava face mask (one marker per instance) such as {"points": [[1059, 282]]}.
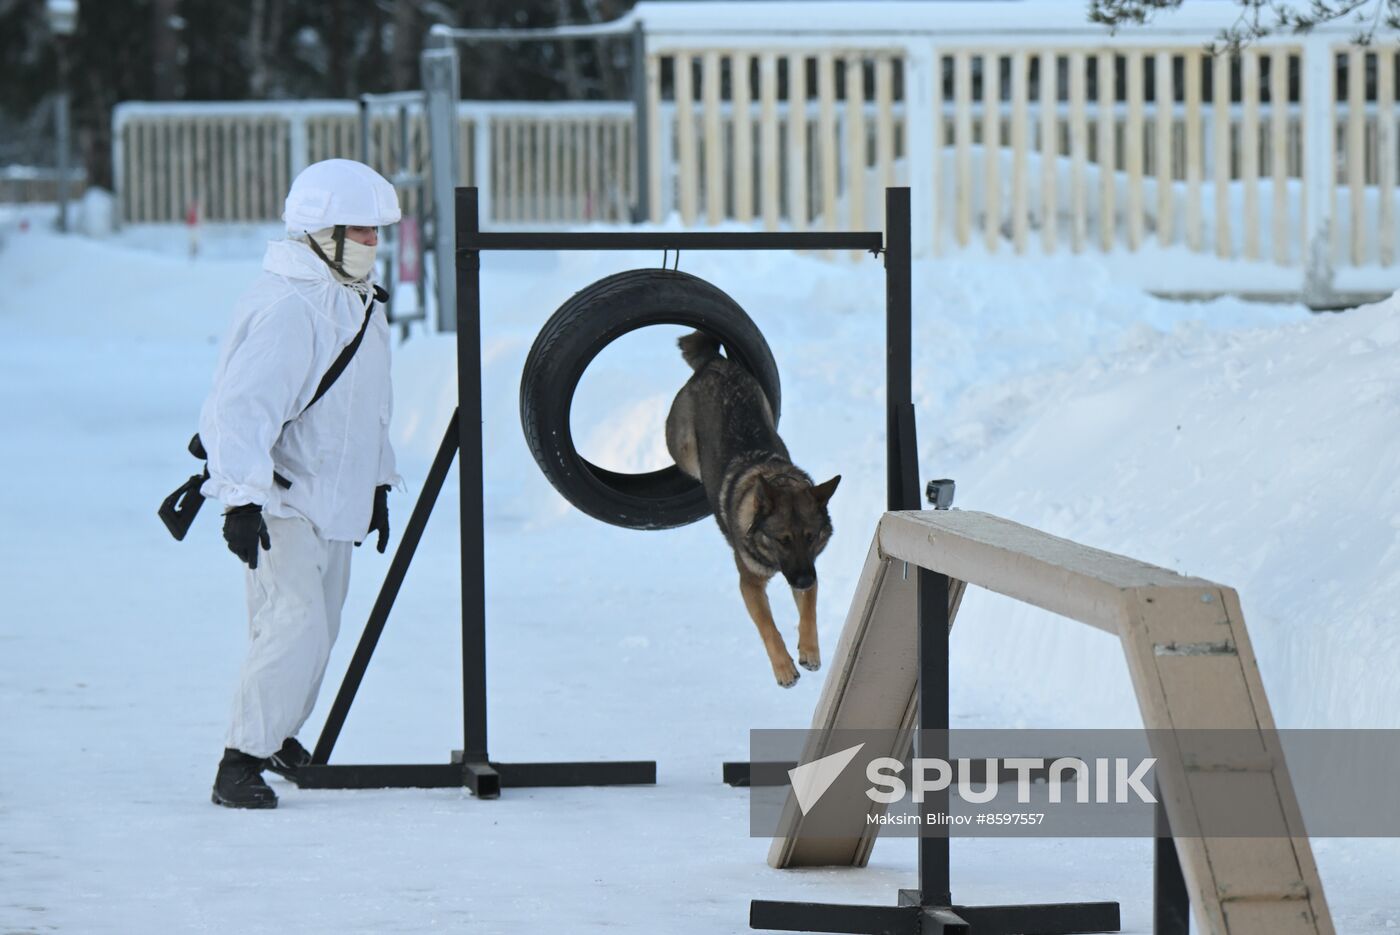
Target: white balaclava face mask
{"points": [[356, 260]]}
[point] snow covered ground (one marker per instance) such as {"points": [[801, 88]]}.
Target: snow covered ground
{"points": [[1254, 445]]}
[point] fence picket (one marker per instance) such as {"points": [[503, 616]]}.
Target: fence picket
{"points": [[1355, 158], [743, 137], [653, 142], [991, 146], [855, 143], [1220, 112], [1385, 152], [1164, 99], [962, 141], [884, 121], [714, 138], [1019, 127], [1049, 148], [826, 136], [1078, 150], [1132, 148], [1249, 150], [769, 154], [688, 167], [797, 140], [1278, 144], [1107, 158], [1192, 64]]}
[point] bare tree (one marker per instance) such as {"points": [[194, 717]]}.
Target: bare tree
{"points": [[163, 45], [408, 27], [1259, 18]]}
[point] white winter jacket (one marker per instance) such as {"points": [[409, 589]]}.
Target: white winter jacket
{"points": [[288, 328]]}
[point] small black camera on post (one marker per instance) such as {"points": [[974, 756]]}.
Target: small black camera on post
{"points": [[940, 493]]}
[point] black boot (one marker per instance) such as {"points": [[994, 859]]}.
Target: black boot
{"points": [[239, 783], [292, 757]]}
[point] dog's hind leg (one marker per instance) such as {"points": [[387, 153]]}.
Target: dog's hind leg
{"points": [[809, 654], [755, 593]]}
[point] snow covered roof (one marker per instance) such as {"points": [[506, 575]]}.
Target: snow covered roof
{"points": [[902, 17]]}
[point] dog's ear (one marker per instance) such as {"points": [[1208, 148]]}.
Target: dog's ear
{"points": [[823, 491], [763, 497]]}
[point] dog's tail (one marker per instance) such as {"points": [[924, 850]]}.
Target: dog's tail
{"points": [[698, 349]]}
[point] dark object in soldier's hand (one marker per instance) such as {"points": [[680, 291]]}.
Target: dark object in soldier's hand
{"points": [[244, 529], [379, 518]]}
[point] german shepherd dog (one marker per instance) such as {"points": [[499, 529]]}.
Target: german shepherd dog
{"points": [[720, 431]]}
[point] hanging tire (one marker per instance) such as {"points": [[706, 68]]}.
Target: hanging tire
{"points": [[588, 322]]}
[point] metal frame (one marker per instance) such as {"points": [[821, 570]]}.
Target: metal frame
{"points": [[472, 767]]}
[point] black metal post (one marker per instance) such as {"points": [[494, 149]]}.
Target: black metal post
{"points": [[900, 456], [388, 592], [1171, 905], [641, 124], [472, 505], [931, 740]]}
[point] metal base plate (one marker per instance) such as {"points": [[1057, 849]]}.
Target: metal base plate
{"points": [[485, 780], [910, 918]]}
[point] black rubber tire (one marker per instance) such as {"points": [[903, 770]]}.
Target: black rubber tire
{"points": [[591, 320]]}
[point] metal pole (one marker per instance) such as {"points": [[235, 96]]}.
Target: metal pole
{"points": [[931, 740], [61, 121], [1171, 906], [364, 130], [472, 519], [420, 194], [440, 86], [641, 127], [902, 483]]}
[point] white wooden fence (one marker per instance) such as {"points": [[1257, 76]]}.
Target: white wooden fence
{"points": [[1018, 127], [1021, 127], [552, 163]]}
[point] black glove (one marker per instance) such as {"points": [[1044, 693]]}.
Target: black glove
{"points": [[379, 518], [243, 530]]}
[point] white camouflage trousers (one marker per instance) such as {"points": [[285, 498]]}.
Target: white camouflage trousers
{"points": [[295, 596]]}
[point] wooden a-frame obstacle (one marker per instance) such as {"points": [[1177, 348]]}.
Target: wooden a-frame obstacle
{"points": [[1192, 668]]}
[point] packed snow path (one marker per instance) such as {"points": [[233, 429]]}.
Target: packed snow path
{"points": [[1254, 445]]}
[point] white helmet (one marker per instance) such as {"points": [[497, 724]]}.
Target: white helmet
{"points": [[338, 192]]}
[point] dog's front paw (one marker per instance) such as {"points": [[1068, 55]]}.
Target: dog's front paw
{"points": [[809, 659], [786, 673]]}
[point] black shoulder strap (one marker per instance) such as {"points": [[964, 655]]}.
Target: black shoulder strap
{"points": [[338, 366]]}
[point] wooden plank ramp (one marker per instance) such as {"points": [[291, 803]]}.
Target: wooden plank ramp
{"points": [[1192, 667]]}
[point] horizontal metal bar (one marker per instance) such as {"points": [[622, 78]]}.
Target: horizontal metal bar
{"points": [[381, 776], [618, 773], [658, 240], [833, 917], [1047, 919], [740, 773]]}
